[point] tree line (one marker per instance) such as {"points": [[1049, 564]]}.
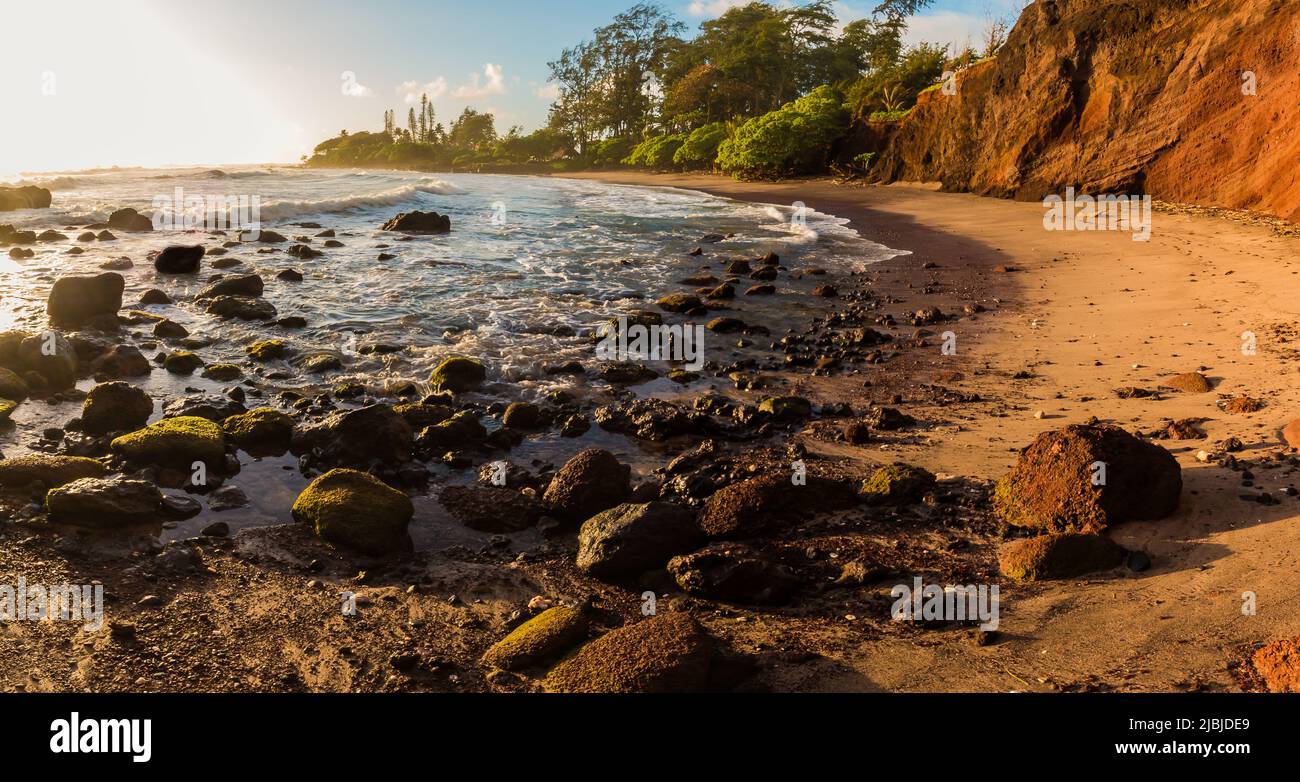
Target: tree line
{"points": [[762, 90]]}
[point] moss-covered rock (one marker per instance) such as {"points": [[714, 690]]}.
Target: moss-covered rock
{"points": [[679, 302], [422, 414], [174, 442], [268, 350], [1063, 555], [665, 653], [222, 373], [786, 408], [356, 510], [115, 407], [7, 408], [522, 415], [897, 484], [1086, 478], [261, 430], [458, 374], [540, 640], [49, 471], [463, 428], [182, 362], [12, 386]]}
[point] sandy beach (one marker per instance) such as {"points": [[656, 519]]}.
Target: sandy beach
{"points": [[1085, 313]]}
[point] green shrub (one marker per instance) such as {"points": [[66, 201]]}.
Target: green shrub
{"points": [[700, 149], [889, 116], [611, 151], [793, 139], [656, 151]]}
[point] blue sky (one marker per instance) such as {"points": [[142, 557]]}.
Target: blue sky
{"points": [[181, 81]]}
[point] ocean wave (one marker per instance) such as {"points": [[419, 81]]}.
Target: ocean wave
{"points": [[57, 183], [280, 210]]}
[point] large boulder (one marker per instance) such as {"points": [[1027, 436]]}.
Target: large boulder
{"points": [[540, 640], [178, 259], [260, 431], [735, 573], [74, 301], [419, 223], [12, 387], [755, 505], [1086, 478], [128, 219], [115, 407], [460, 430], [663, 654], [629, 539], [25, 197], [1061, 555], [50, 355], [587, 484], [491, 508], [49, 471], [174, 442], [458, 374], [356, 510], [104, 502], [358, 438]]}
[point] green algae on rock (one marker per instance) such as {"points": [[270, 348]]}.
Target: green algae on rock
{"points": [[458, 374], [540, 640], [174, 442], [49, 471], [262, 428], [356, 510]]}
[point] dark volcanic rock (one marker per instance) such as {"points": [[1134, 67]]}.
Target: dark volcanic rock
{"points": [[587, 484], [238, 285], [76, 300], [26, 197], [734, 573], [758, 504], [419, 223], [491, 508], [374, 434], [178, 259], [630, 539], [104, 502], [1086, 478], [129, 220], [115, 407]]}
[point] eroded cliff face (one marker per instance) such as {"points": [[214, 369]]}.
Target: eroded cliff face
{"points": [[1122, 96]]}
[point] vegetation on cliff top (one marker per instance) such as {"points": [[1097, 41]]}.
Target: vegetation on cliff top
{"points": [[764, 90]]}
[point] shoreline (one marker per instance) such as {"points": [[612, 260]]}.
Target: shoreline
{"points": [[1043, 342]]}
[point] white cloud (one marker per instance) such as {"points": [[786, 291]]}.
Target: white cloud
{"points": [[547, 91], [412, 90], [353, 88], [713, 8], [477, 88]]}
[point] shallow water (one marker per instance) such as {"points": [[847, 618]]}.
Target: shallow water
{"points": [[531, 266]]}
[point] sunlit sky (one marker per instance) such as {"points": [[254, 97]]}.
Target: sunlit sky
{"points": [[162, 82]]}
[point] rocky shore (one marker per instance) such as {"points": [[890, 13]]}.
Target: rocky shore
{"points": [[748, 538]]}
